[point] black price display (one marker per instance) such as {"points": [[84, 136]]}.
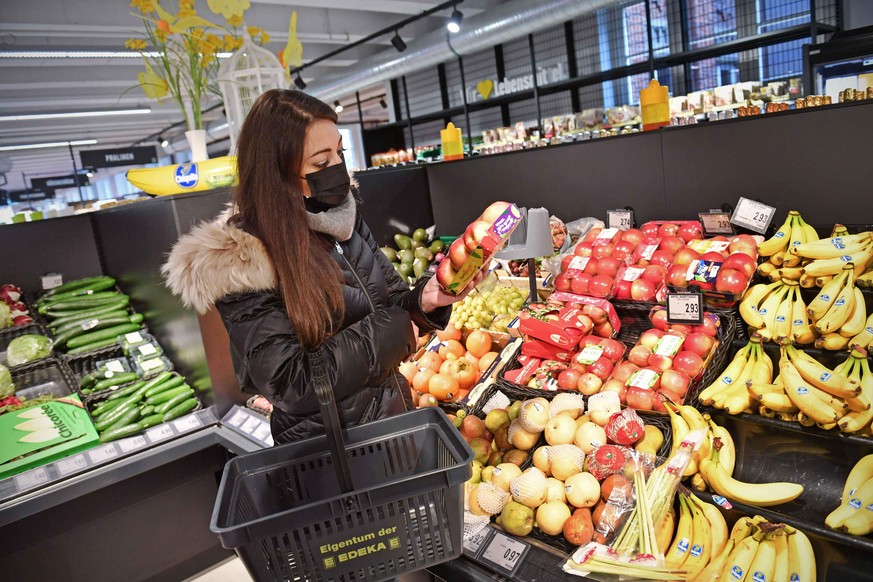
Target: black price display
{"points": [[754, 215], [504, 553], [685, 308], [472, 545], [716, 223], [622, 219]]}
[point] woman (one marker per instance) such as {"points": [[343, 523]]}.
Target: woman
{"points": [[293, 270]]}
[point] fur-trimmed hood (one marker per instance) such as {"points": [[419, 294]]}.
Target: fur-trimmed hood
{"points": [[217, 259]]}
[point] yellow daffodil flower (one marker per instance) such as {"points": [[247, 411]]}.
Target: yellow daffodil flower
{"points": [[292, 54], [153, 85], [144, 6], [229, 8], [135, 44]]}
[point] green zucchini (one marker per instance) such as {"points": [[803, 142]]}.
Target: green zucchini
{"points": [[79, 284], [121, 432], [61, 317], [146, 410], [94, 346], [180, 409], [72, 305], [174, 382], [168, 394], [109, 332]]}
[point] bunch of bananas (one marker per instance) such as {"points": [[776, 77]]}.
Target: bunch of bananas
{"points": [[701, 534], [812, 394], [728, 392], [759, 550], [777, 311], [782, 265], [713, 463], [852, 516], [839, 312], [827, 257]]}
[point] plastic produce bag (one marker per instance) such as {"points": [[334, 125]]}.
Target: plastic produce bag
{"points": [[575, 231], [28, 348]]}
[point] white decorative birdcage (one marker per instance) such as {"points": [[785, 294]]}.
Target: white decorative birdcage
{"points": [[241, 78]]}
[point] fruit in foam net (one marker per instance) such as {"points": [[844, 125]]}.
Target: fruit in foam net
{"points": [[529, 488], [534, 415]]}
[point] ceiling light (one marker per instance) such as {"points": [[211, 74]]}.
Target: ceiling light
{"points": [[89, 173], [53, 144], [301, 84], [454, 23], [383, 103], [32, 116], [337, 106], [87, 54], [398, 42], [163, 141]]}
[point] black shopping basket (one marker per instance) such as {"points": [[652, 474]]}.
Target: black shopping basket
{"points": [[392, 503]]}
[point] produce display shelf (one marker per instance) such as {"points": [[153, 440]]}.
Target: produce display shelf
{"points": [[45, 377]]}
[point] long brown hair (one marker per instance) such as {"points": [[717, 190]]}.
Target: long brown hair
{"points": [[270, 200]]}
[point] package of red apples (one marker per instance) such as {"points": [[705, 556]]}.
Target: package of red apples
{"points": [[470, 252]]}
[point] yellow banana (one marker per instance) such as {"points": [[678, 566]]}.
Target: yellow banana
{"points": [[767, 311], [728, 377], [859, 260], [737, 567], [778, 258], [664, 533], [826, 297], [861, 472], [778, 403], [796, 237], [676, 555], [756, 390], [738, 387], [839, 312], [823, 280], [821, 377], [806, 281], [803, 396], [855, 504], [717, 525], [782, 321], [811, 234], [839, 230], [858, 318], [779, 241], [695, 421], [789, 273], [713, 570], [698, 483], [801, 557], [832, 341], [759, 494], [832, 248], [858, 419], [766, 269], [780, 570], [752, 299], [864, 338], [679, 429], [762, 567], [864, 280], [701, 541], [766, 412], [801, 327], [727, 456]]}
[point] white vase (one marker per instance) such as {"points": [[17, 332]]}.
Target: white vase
{"points": [[197, 142]]}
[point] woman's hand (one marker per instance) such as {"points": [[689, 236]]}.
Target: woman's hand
{"points": [[433, 296]]}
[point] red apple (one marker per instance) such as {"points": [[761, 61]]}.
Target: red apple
{"points": [[475, 233], [612, 349], [624, 371], [741, 262], [494, 211], [650, 338], [659, 319], [633, 236], [640, 398], [583, 249], [730, 281], [565, 262], [681, 328], [699, 343], [602, 368], [458, 253], [592, 234], [650, 230], [608, 266], [445, 274], [623, 250], [713, 257], [662, 258], [613, 385], [685, 255], [591, 267], [655, 274], [623, 290], [676, 276], [688, 362], [658, 403], [668, 229], [604, 330], [589, 384], [600, 286], [659, 363], [675, 382], [750, 251], [639, 355], [568, 379], [642, 290], [601, 251], [579, 284], [562, 282], [690, 231], [597, 314], [671, 244], [589, 340], [585, 324], [742, 240], [707, 327]]}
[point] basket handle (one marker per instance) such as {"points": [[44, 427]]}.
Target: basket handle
{"points": [[330, 417]]}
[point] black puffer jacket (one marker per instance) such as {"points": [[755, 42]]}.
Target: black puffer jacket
{"points": [[220, 263]]}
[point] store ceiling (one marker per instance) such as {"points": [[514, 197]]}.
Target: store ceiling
{"points": [[56, 85]]}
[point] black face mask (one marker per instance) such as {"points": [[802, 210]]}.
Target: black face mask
{"points": [[329, 188]]}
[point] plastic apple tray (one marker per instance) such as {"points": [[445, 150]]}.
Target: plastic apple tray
{"points": [[46, 377]]}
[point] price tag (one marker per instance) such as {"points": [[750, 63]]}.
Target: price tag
{"points": [[133, 337], [685, 308], [632, 273], [31, 479], [102, 454], [115, 366], [52, 280], [755, 216], [147, 350], [621, 219], [716, 223], [151, 364], [262, 433], [250, 425], [647, 250], [605, 236], [472, 545], [132, 443], [238, 418], [504, 552], [644, 378], [668, 345], [589, 355], [159, 433], [71, 465], [188, 422], [578, 263]]}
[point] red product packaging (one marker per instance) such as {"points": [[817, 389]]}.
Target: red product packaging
{"points": [[607, 460], [525, 373], [625, 427], [560, 327], [539, 349], [603, 308]]}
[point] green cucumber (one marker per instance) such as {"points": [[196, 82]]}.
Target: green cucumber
{"points": [[84, 297], [180, 409], [120, 432], [80, 316], [136, 318], [162, 377], [126, 391], [146, 410], [79, 284], [174, 382], [129, 416], [110, 418], [84, 312], [89, 290], [109, 332], [83, 323], [98, 324], [165, 406], [71, 305], [91, 347], [168, 394], [105, 407], [151, 420], [116, 380]]}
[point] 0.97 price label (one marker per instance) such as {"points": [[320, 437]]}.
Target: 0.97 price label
{"points": [[754, 215], [622, 219], [685, 308], [716, 223], [504, 553]]}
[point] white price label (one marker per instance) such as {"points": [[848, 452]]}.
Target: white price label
{"points": [[605, 236], [188, 422], [102, 454], [716, 223], [685, 308], [621, 219], [589, 354], [71, 465], [147, 350], [755, 216], [668, 345], [250, 425], [159, 433], [115, 366], [646, 251], [504, 552], [133, 337], [632, 273], [473, 544], [132, 443], [578, 263], [52, 280], [151, 364], [31, 479], [89, 324], [262, 433], [644, 378], [238, 418]]}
